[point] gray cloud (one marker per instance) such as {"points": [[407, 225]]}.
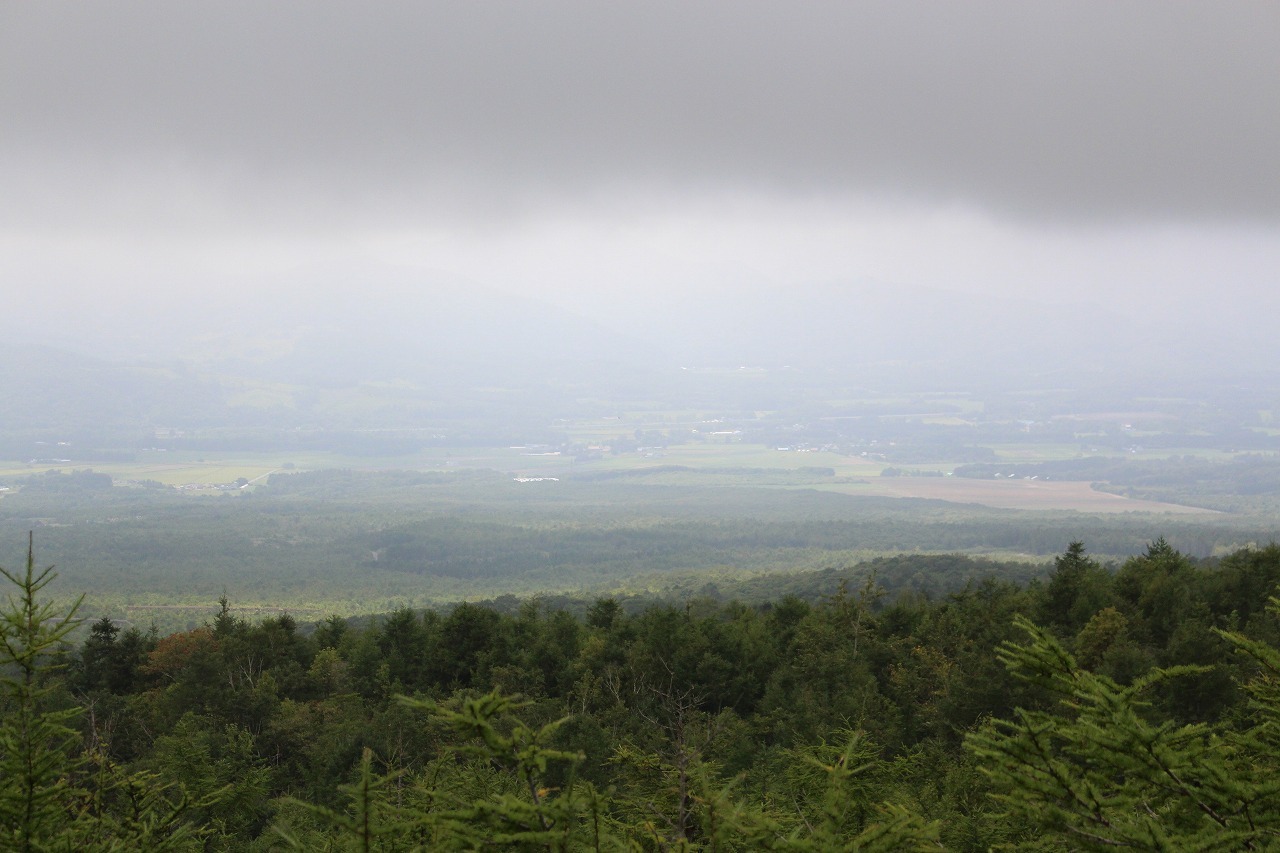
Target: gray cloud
{"points": [[1063, 111]]}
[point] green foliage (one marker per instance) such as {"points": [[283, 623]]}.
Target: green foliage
{"points": [[1094, 770], [838, 812], [458, 803], [829, 721], [37, 743], [526, 813], [535, 816], [1077, 588], [369, 823], [53, 794], [218, 767], [1261, 739]]}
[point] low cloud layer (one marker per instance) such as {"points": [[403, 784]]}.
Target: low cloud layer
{"points": [[159, 157], [1045, 110]]}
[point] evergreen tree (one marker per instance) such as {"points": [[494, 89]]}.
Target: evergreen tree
{"points": [[54, 795], [37, 743], [1093, 771]]}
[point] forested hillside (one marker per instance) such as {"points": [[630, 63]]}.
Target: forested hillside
{"points": [[1128, 705]]}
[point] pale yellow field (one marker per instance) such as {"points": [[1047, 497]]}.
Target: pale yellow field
{"points": [[1007, 494], [171, 472]]}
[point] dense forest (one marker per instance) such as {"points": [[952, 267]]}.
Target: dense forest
{"points": [[1106, 705]]}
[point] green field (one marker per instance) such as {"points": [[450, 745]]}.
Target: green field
{"points": [[177, 468]]}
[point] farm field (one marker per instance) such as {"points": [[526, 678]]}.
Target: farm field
{"points": [[704, 460], [1023, 453], [171, 469], [1008, 494], [711, 454], [212, 467]]}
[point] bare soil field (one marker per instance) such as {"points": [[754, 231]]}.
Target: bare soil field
{"points": [[1010, 494]]}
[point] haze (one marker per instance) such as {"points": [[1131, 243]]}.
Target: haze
{"points": [[722, 180]]}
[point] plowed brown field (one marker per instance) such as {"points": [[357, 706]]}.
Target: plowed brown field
{"points": [[1011, 494]]}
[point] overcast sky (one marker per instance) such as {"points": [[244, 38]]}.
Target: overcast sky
{"points": [[1126, 153]]}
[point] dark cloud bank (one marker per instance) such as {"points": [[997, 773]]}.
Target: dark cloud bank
{"points": [[1045, 110]]}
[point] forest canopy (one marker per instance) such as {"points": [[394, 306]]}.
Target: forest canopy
{"points": [[1107, 705]]}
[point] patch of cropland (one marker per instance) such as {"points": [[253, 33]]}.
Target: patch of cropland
{"points": [[1245, 482]]}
